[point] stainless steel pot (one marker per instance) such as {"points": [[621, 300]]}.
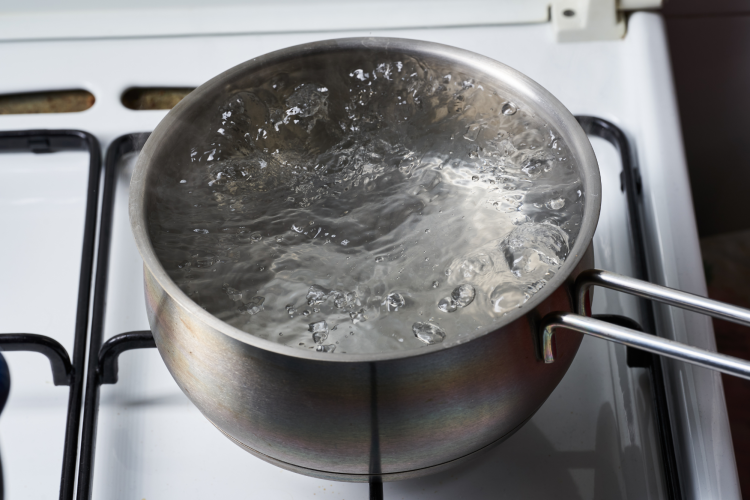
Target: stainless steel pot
{"points": [[356, 417]]}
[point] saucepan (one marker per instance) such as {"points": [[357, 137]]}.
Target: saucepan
{"points": [[400, 414]]}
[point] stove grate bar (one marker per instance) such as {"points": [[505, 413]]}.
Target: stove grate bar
{"points": [[120, 147], [630, 179], [62, 368], [64, 371], [111, 350]]}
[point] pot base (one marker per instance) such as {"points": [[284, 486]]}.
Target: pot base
{"points": [[366, 478]]}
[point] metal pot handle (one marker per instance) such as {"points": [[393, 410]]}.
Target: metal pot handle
{"points": [[602, 329]]}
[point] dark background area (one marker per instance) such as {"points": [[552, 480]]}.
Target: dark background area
{"points": [[710, 49]]}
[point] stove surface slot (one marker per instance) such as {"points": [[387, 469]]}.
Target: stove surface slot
{"points": [[55, 101]]}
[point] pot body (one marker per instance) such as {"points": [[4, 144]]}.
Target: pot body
{"points": [[345, 416], [395, 418]]}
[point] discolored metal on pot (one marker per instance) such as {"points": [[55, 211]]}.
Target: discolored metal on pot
{"points": [[347, 416], [317, 415]]}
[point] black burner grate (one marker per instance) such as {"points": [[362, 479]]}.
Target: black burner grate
{"points": [[108, 353], [64, 372], [102, 368], [630, 180]]}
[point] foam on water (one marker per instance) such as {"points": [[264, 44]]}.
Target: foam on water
{"points": [[374, 208]]}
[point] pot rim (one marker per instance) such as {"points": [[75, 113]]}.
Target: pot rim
{"points": [[559, 117]]}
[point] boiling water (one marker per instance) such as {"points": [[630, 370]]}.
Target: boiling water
{"points": [[381, 207]]}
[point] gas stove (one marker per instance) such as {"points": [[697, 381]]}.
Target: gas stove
{"points": [[618, 426]]}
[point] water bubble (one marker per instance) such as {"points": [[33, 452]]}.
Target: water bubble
{"points": [[358, 316], [476, 265], [509, 108], [447, 304], [233, 293], [531, 250], [463, 295], [325, 348], [533, 169], [291, 310], [201, 231], [472, 132], [555, 204], [506, 297], [429, 333], [435, 284], [395, 300], [508, 203], [342, 300], [255, 237], [379, 258], [319, 330], [305, 313], [253, 306], [316, 295]]}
